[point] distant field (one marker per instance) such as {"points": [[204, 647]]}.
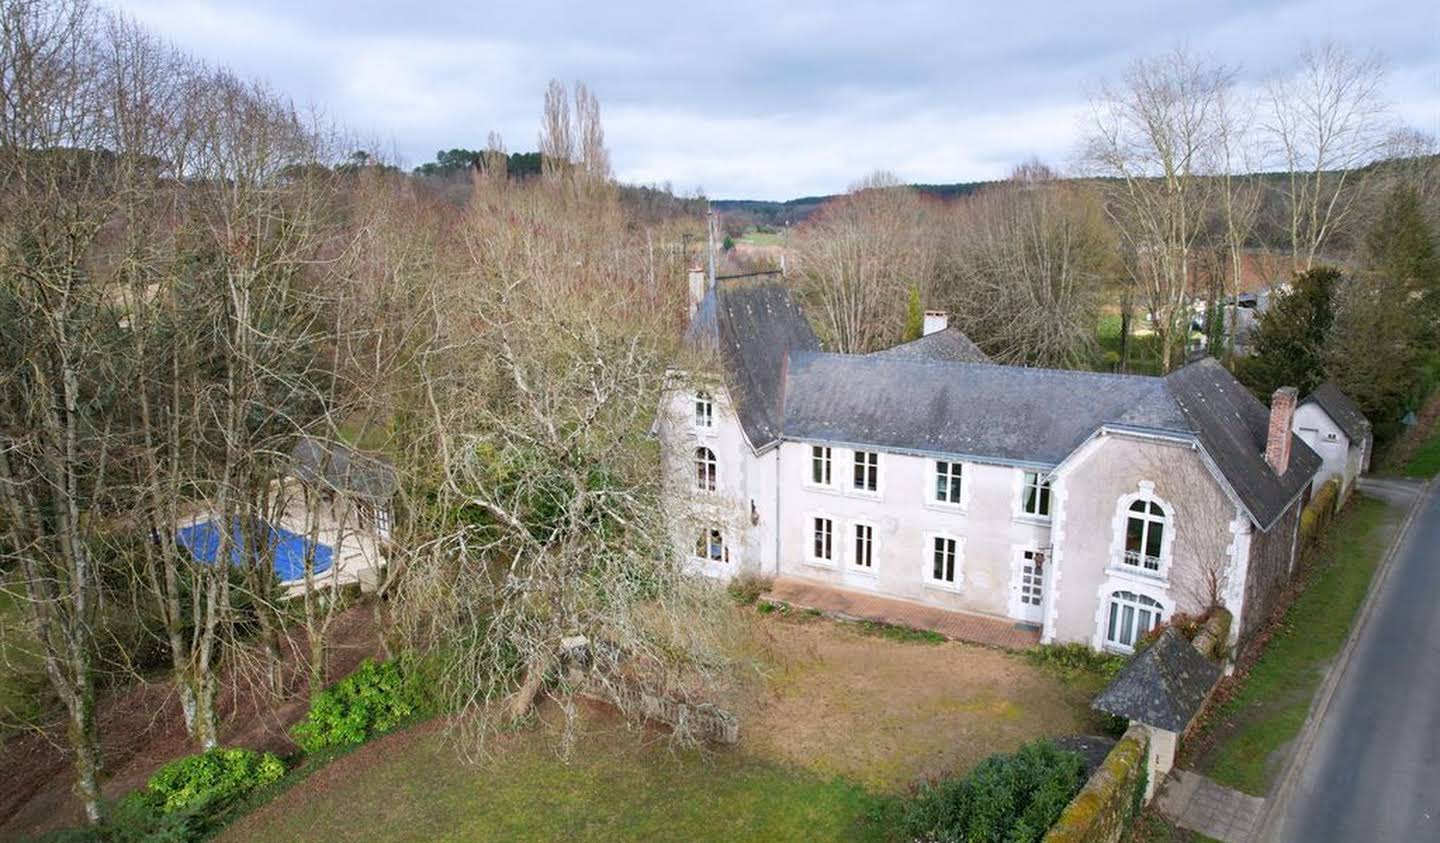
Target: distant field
{"points": [[758, 238]]}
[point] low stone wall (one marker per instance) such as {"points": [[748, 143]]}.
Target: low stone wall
{"points": [[1104, 808]]}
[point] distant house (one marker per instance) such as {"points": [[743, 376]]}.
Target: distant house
{"points": [[1333, 426], [1083, 506]]}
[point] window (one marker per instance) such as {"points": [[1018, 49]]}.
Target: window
{"points": [[704, 410], [943, 557], [864, 546], [947, 482], [705, 469], [824, 534], [1032, 578], [711, 546], [1129, 617], [1035, 495], [1144, 535], [820, 465], [382, 521], [867, 471]]}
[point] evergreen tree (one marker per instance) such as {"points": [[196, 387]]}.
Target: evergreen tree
{"points": [[1401, 246], [914, 317], [1372, 351], [1290, 336]]}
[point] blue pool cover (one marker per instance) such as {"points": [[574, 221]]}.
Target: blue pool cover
{"points": [[288, 549]]}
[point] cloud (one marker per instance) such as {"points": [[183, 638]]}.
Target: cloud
{"points": [[798, 99]]}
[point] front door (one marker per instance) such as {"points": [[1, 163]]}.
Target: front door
{"points": [[1031, 585]]}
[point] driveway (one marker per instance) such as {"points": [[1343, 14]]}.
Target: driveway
{"points": [[1369, 769]]}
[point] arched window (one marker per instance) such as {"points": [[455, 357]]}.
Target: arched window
{"points": [[711, 546], [1128, 617], [1144, 535], [705, 469], [704, 409]]}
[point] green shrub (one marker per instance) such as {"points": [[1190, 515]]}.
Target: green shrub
{"points": [[209, 779], [1012, 798], [376, 698], [1068, 660]]}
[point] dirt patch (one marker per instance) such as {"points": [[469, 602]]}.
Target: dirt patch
{"points": [[141, 728], [827, 697]]}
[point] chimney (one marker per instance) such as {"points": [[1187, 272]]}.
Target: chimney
{"points": [[936, 320], [1277, 439], [697, 288]]}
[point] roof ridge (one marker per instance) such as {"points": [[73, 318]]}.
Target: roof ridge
{"points": [[931, 361]]}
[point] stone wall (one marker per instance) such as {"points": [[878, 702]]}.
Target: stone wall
{"points": [[1104, 808], [1272, 554]]}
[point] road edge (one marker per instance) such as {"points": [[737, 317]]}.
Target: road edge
{"points": [[1271, 824]]}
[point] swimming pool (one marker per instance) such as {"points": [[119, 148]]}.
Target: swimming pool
{"points": [[286, 548]]}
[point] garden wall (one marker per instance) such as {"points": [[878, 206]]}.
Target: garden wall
{"points": [[1103, 809]]}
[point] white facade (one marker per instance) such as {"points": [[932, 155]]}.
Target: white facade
{"points": [[1081, 564], [1341, 457]]}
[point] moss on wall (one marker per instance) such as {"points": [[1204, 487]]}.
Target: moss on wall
{"points": [[1105, 807]]}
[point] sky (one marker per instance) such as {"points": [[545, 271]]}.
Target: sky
{"points": [[745, 100]]}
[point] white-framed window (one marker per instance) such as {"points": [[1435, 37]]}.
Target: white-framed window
{"points": [[710, 546], [949, 483], [1145, 525], [820, 465], [1035, 495], [705, 469], [1032, 580], [822, 539], [866, 477], [1128, 616], [942, 560], [704, 410], [382, 521], [863, 545]]}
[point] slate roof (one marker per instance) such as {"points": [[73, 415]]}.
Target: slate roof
{"points": [[1232, 426], [1341, 410], [1007, 413], [784, 386], [753, 323], [947, 344], [1164, 686], [343, 469]]}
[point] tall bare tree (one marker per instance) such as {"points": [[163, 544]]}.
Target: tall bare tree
{"points": [[857, 259], [1155, 141], [1326, 118]]}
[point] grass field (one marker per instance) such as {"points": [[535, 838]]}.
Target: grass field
{"points": [[1425, 462], [760, 238], [414, 787], [1144, 356], [1270, 708], [836, 720]]}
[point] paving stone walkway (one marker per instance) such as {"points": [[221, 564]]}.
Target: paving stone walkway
{"points": [[962, 626], [1194, 802]]}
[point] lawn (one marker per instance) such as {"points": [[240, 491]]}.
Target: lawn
{"points": [[760, 238], [1144, 356], [835, 718], [1270, 708]]}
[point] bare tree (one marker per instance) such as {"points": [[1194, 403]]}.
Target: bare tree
{"points": [[1155, 140], [1025, 269], [1326, 118], [857, 259]]}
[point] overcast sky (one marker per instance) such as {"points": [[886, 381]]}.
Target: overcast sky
{"points": [[744, 101]]}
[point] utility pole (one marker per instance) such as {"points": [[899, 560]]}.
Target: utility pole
{"points": [[710, 244]]}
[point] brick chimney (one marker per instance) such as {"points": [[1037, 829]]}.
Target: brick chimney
{"points": [[1282, 417], [935, 320]]}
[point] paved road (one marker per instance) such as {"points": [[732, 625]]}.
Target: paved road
{"points": [[1372, 771]]}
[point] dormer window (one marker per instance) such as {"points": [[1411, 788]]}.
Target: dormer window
{"points": [[704, 410]]}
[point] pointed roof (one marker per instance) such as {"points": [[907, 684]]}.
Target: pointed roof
{"points": [[945, 344], [1164, 686], [1341, 409]]}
